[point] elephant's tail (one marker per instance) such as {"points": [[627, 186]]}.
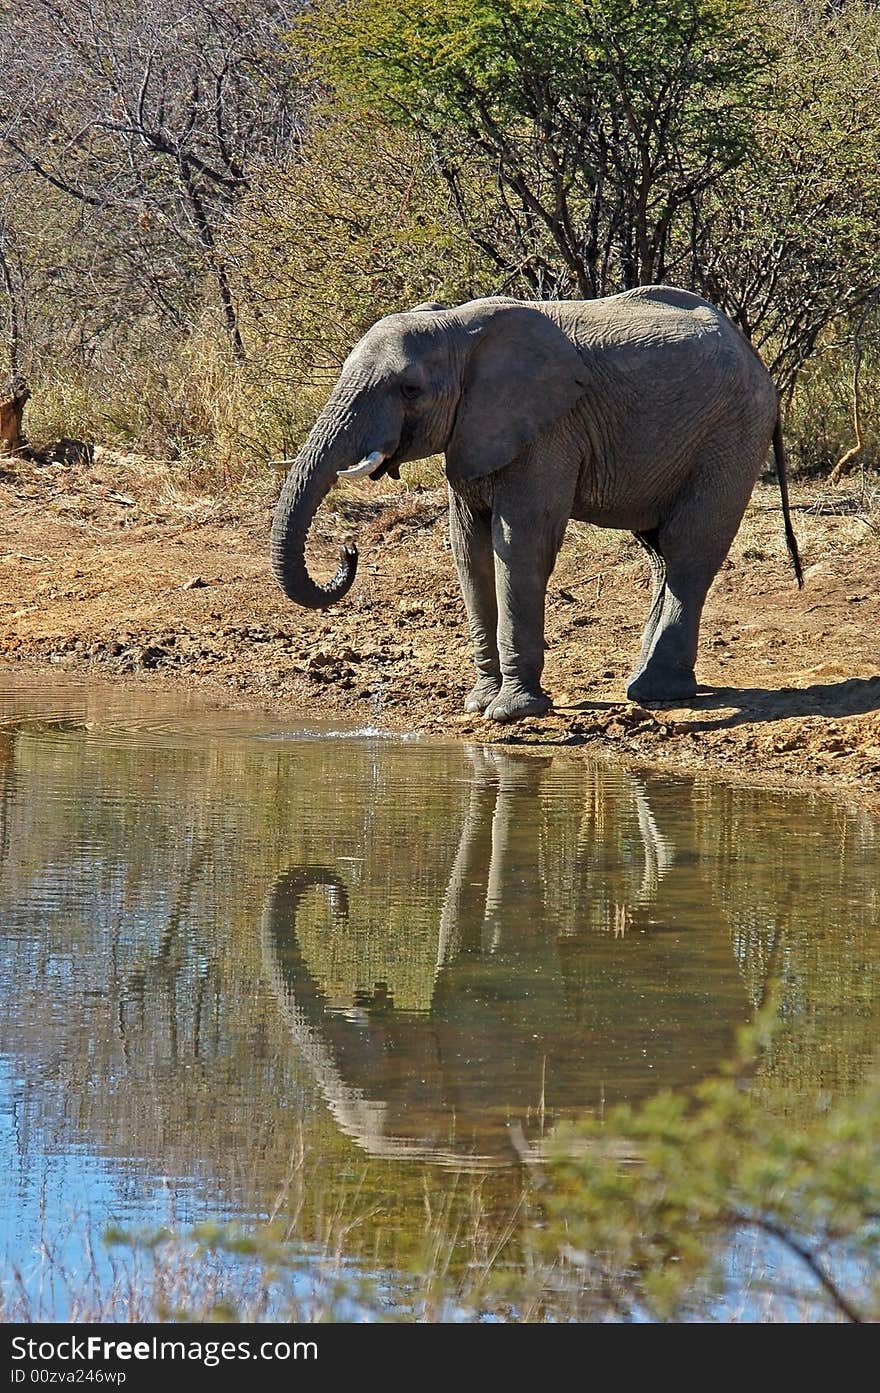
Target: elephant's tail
{"points": [[782, 476]]}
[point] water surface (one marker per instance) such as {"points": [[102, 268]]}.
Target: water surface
{"points": [[251, 968]]}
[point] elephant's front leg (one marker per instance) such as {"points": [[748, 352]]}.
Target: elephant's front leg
{"points": [[470, 532], [526, 542]]}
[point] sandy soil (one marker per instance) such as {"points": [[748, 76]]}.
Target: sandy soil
{"points": [[110, 569]]}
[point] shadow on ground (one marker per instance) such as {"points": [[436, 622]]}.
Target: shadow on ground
{"points": [[857, 696]]}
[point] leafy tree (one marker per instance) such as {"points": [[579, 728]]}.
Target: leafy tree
{"points": [[573, 138], [788, 246]]}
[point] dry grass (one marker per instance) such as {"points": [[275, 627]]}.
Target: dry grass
{"points": [[819, 426], [216, 423], [856, 515], [264, 1273]]}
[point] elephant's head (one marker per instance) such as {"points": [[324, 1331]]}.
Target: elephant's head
{"points": [[479, 382]]}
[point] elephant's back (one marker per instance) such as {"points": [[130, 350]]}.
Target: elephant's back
{"points": [[673, 340], [671, 379], [657, 316], [673, 296]]}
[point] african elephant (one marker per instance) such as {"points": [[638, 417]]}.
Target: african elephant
{"points": [[647, 410]]}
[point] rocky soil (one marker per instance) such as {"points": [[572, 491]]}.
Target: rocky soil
{"points": [[112, 568]]}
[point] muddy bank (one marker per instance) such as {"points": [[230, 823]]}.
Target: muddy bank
{"points": [[111, 569]]}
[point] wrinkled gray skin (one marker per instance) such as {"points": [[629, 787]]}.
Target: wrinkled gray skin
{"points": [[646, 411]]}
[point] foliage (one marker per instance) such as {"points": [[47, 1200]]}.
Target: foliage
{"points": [[197, 198], [791, 247], [572, 138], [353, 228], [643, 1201]]}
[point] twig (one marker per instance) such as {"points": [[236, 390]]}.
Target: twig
{"points": [[598, 575], [14, 332], [855, 450], [810, 1261]]}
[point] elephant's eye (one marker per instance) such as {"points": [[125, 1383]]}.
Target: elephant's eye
{"points": [[410, 390]]}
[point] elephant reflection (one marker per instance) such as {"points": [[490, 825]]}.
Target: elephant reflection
{"points": [[497, 840], [563, 977]]}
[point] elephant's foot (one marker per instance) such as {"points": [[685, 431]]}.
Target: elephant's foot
{"points": [[657, 684], [514, 703], [483, 694]]}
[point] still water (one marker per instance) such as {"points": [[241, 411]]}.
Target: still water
{"points": [[331, 977]]}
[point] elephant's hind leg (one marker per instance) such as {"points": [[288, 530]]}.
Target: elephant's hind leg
{"points": [[665, 670], [470, 533], [658, 594], [685, 553]]}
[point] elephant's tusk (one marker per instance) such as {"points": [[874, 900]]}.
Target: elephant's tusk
{"points": [[366, 466]]}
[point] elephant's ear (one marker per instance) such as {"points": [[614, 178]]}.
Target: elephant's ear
{"points": [[523, 374]]}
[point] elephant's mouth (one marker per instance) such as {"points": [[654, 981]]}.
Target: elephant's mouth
{"points": [[391, 464], [377, 463]]}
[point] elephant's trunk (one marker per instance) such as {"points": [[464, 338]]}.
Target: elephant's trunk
{"points": [[310, 479]]}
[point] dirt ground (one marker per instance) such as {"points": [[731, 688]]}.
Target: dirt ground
{"points": [[109, 568]]}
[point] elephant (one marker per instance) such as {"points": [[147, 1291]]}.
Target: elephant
{"points": [[647, 411]]}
